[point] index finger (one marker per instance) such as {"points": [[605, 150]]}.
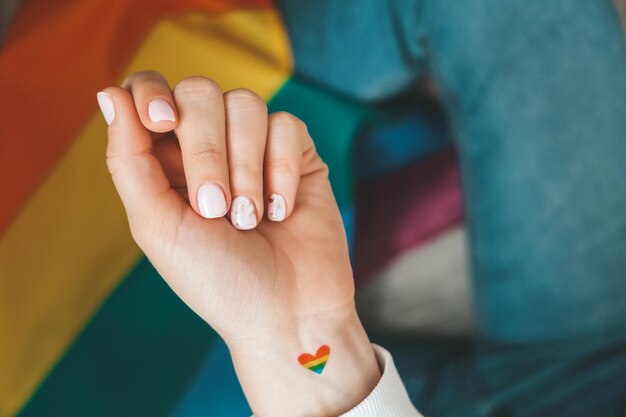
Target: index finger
{"points": [[153, 100]]}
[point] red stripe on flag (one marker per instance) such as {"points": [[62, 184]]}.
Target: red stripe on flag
{"points": [[56, 56]]}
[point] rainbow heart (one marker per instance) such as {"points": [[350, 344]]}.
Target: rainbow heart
{"points": [[317, 362]]}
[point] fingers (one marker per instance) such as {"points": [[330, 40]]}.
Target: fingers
{"points": [[288, 141], [227, 148], [232, 151], [246, 133], [137, 174], [153, 100], [201, 134]]}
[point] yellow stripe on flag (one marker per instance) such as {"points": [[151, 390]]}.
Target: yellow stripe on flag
{"points": [[70, 246], [316, 362]]}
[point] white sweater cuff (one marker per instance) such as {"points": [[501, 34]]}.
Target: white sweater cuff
{"points": [[389, 398]]}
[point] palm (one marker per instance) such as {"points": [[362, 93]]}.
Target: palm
{"points": [[273, 277], [232, 277]]}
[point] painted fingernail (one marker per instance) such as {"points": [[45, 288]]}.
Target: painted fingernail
{"points": [[276, 209], [243, 213], [160, 110], [106, 105], [211, 201]]}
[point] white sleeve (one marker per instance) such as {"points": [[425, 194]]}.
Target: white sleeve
{"points": [[389, 398]]}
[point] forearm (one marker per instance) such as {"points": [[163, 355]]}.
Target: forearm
{"points": [[279, 290], [276, 384]]}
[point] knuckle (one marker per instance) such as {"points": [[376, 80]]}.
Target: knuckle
{"points": [[243, 94], [321, 170], [285, 126], [284, 120], [324, 169], [243, 99], [197, 84]]}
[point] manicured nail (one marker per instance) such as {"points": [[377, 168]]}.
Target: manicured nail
{"points": [[276, 209], [211, 201], [243, 213], [106, 105], [160, 110]]}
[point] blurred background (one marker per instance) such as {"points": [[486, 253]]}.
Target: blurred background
{"points": [[87, 327]]}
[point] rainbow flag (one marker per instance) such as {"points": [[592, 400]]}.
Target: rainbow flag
{"points": [[87, 327], [317, 362]]}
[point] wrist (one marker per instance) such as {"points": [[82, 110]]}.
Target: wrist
{"points": [[277, 384]]}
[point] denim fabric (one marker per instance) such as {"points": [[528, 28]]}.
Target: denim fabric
{"points": [[536, 94]]}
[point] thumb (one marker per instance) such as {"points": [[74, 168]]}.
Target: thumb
{"points": [[137, 174]]}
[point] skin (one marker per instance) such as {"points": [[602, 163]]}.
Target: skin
{"points": [[274, 292]]}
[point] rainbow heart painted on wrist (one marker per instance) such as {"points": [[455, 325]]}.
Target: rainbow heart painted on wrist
{"points": [[317, 362]]}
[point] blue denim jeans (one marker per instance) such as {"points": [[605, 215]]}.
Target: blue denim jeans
{"points": [[536, 95]]}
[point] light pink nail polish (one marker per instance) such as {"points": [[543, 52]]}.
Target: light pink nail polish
{"points": [[211, 201], [106, 106], [160, 110], [276, 209], [243, 213]]}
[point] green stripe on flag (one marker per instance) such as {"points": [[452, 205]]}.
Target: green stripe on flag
{"points": [[134, 359], [318, 368], [142, 348]]}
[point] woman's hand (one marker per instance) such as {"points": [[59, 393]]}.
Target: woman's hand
{"points": [[275, 281]]}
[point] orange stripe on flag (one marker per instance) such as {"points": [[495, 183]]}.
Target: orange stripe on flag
{"points": [[56, 56], [316, 362], [69, 246]]}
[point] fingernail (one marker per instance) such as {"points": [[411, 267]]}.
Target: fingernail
{"points": [[211, 201], [243, 213], [276, 209], [160, 110], [106, 106]]}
